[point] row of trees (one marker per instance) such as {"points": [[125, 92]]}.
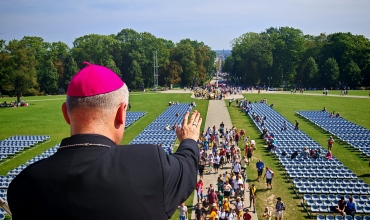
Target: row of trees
{"points": [[32, 66], [289, 58]]}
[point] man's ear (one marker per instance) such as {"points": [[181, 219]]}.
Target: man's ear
{"points": [[121, 113], [65, 114]]}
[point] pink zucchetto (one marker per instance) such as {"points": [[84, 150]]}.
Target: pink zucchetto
{"points": [[93, 80]]}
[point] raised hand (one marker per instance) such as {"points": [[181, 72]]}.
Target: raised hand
{"points": [[190, 127]]}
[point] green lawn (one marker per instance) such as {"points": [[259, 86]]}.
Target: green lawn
{"points": [[355, 110], [338, 92]]}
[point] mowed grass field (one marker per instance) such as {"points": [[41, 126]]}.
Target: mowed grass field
{"points": [[356, 110], [44, 116], [338, 92]]}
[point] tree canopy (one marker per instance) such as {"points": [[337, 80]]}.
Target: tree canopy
{"points": [[31, 66], [293, 59]]}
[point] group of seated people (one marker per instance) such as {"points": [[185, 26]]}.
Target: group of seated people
{"points": [[170, 103], [306, 153], [14, 104], [346, 207]]}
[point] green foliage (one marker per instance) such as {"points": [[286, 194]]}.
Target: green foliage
{"points": [[295, 59], [18, 67], [330, 73]]}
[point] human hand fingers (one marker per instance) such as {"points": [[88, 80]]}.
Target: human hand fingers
{"points": [[192, 117], [185, 120]]}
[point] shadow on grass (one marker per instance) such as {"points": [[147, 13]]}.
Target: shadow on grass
{"points": [[364, 175]]}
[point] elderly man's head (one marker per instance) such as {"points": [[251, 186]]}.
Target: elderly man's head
{"points": [[96, 103]]}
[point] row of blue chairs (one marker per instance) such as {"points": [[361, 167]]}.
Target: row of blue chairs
{"points": [[310, 176], [339, 217], [155, 133], [132, 117], [28, 138], [14, 144], [355, 135]]}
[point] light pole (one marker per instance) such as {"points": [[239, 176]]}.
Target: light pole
{"points": [[269, 78]]}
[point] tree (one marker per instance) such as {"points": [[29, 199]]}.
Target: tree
{"points": [[351, 75], [18, 68], [47, 77], [175, 71], [330, 73], [288, 49], [251, 53], [228, 66], [136, 76], [184, 54], [64, 63], [309, 75], [96, 49]]}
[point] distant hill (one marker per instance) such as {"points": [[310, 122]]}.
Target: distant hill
{"points": [[225, 53]]}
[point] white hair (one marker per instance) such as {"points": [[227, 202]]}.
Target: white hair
{"points": [[106, 102]]}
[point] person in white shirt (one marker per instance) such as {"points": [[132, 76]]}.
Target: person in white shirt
{"points": [[239, 204], [237, 168], [268, 175], [183, 212], [232, 215], [210, 162]]}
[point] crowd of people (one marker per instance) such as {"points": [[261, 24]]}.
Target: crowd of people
{"points": [[220, 154], [211, 92]]}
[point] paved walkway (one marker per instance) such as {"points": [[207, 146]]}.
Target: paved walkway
{"points": [[217, 113]]}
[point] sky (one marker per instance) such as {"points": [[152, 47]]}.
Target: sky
{"points": [[216, 22]]}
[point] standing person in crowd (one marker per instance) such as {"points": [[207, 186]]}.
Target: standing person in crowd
{"points": [[91, 161], [243, 163], [226, 205], [239, 205], [223, 214], [220, 198], [200, 212], [210, 162], [266, 214], [330, 142], [279, 209], [236, 168], [214, 212], [269, 174], [260, 166], [249, 153], [201, 167], [199, 189], [247, 215], [236, 138], [212, 197], [253, 196], [216, 163], [296, 127], [232, 215], [227, 190], [220, 183], [183, 212]]}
